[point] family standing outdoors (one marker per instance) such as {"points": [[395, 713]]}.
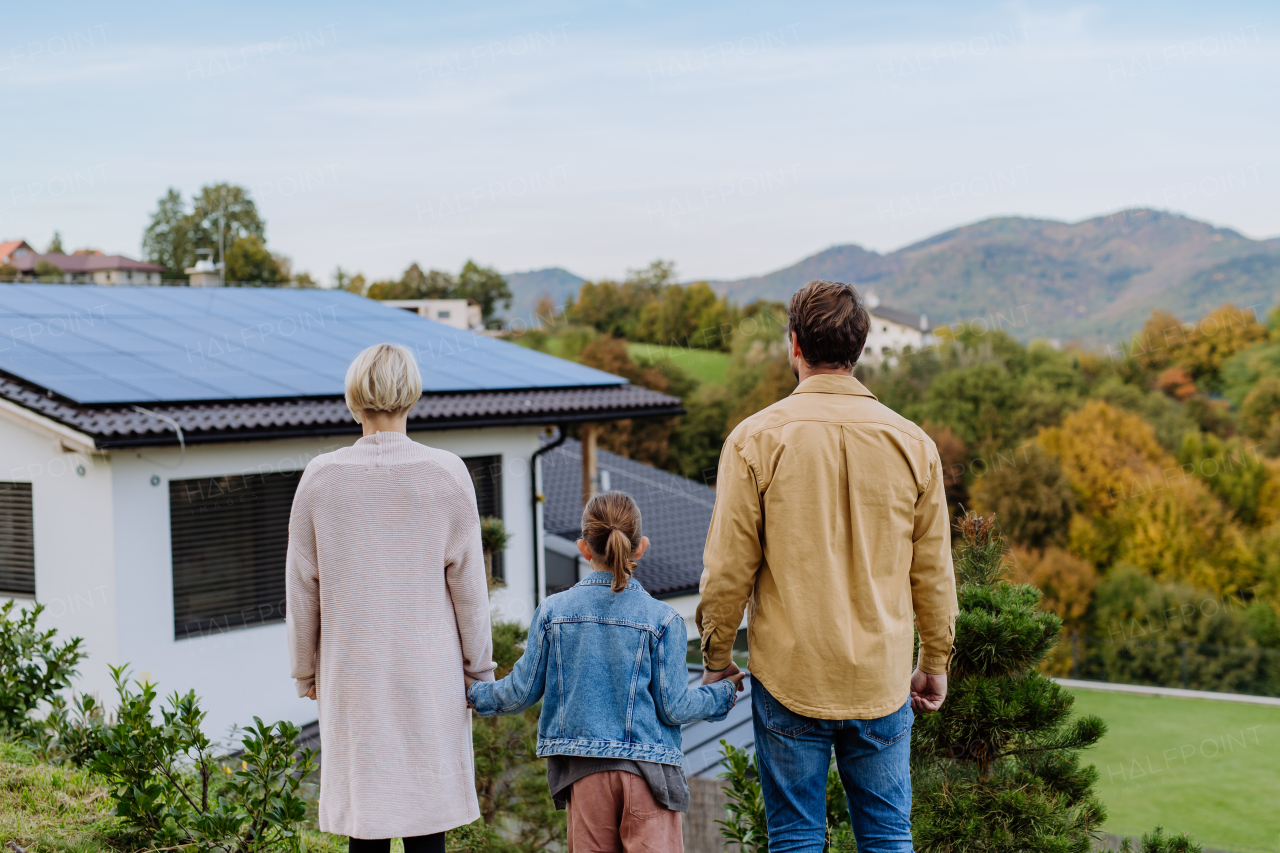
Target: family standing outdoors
{"points": [[830, 531]]}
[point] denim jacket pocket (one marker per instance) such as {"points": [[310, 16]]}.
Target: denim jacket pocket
{"points": [[891, 728], [780, 719]]}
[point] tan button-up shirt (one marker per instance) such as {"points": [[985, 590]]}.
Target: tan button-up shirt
{"points": [[831, 521]]}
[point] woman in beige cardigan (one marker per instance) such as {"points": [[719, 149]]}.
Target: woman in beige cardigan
{"points": [[388, 619]]}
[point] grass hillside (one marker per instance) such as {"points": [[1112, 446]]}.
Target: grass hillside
{"points": [[1095, 281]]}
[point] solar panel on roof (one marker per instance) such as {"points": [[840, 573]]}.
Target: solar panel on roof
{"points": [[103, 344]]}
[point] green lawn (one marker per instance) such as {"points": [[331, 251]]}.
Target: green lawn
{"points": [[1211, 769], [707, 366]]}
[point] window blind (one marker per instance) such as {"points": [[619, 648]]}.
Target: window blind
{"points": [[229, 539], [486, 475], [17, 540]]}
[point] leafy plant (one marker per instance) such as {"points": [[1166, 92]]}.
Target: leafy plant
{"points": [[33, 667], [74, 735], [493, 535], [174, 787], [746, 825]]}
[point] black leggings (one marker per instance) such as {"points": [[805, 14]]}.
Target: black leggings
{"points": [[417, 844]]}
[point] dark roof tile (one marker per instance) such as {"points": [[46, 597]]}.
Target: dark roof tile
{"points": [[124, 426]]}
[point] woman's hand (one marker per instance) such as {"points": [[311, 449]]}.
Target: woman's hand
{"points": [[312, 694]]}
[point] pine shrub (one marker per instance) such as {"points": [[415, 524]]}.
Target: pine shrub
{"points": [[997, 768]]}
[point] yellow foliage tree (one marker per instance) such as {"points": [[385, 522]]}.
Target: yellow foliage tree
{"points": [[1139, 506]]}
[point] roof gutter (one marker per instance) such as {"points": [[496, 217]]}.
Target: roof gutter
{"points": [[538, 498]]}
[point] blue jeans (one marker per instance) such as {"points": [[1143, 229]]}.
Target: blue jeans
{"points": [[794, 754]]}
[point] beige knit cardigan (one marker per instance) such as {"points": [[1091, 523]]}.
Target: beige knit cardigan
{"points": [[388, 615]]}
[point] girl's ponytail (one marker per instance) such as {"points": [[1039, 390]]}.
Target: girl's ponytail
{"points": [[611, 528]]}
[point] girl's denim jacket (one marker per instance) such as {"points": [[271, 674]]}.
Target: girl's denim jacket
{"points": [[610, 669]]}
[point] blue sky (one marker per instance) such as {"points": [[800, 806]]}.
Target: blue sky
{"points": [[732, 138]]}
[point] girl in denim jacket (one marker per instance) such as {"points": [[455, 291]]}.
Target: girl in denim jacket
{"points": [[608, 661]]}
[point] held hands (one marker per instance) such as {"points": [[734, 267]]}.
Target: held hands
{"points": [[312, 694], [730, 672], [927, 691]]}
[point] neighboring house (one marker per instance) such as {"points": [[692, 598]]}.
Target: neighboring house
{"points": [[11, 249], [892, 331], [151, 440], [87, 266], [458, 313], [675, 513]]}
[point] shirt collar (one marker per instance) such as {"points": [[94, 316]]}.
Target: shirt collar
{"points": [[833, 383], [606, 579], [383, 438]]}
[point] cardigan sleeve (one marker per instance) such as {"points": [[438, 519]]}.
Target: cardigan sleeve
{"points": [[302, 593], [469, 585]]}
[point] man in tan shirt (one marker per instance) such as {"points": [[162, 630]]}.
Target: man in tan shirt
{"points": [[831, 523]]}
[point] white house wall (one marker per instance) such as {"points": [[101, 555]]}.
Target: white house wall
{"points": [[115, 573], [72, 517]]}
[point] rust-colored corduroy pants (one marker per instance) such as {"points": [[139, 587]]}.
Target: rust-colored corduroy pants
{"points": [[614, 812]]}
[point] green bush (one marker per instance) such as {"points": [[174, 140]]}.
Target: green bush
{"points": [[33, 668], [511, 780], [174, 787], [1174, 635], [1157, 843], [746, 825]]}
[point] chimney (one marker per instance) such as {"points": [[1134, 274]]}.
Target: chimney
{"points": [[924, 322], [205, 273]]}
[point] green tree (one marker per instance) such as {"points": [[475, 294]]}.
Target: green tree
{"points": [[1029, 496], [48, 271], [249, 260], [998, 765], [485, 286], [55, 245], [168, 239], [984, 404], [176, 232]]}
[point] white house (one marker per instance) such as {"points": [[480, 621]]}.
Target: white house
{"points": [[892, 331], [151, 439], [458, 313]]}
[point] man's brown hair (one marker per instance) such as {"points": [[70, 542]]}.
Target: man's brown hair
{"points": [[829, 322]]}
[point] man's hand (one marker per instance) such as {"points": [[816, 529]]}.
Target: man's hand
{"points": [[312, 694], [731, 672], [927, 691]]}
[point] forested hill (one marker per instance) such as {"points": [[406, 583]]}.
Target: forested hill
{"points": [[1095, 281]]}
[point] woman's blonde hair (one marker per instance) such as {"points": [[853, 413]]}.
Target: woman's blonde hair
{"points": [[611, 528], [383, 378]]}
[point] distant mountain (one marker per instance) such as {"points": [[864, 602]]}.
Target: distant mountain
{"points": [[1095, 281], [528, 287]]}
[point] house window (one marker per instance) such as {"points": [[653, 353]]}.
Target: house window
{"points": [[486, 474], [229, 537], [17, 541], [442, 315]]}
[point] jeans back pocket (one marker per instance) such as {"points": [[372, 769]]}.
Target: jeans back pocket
{"points": [[890, 729]]}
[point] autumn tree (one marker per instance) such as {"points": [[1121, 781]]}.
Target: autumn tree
{"points": [[1029, 495]]}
